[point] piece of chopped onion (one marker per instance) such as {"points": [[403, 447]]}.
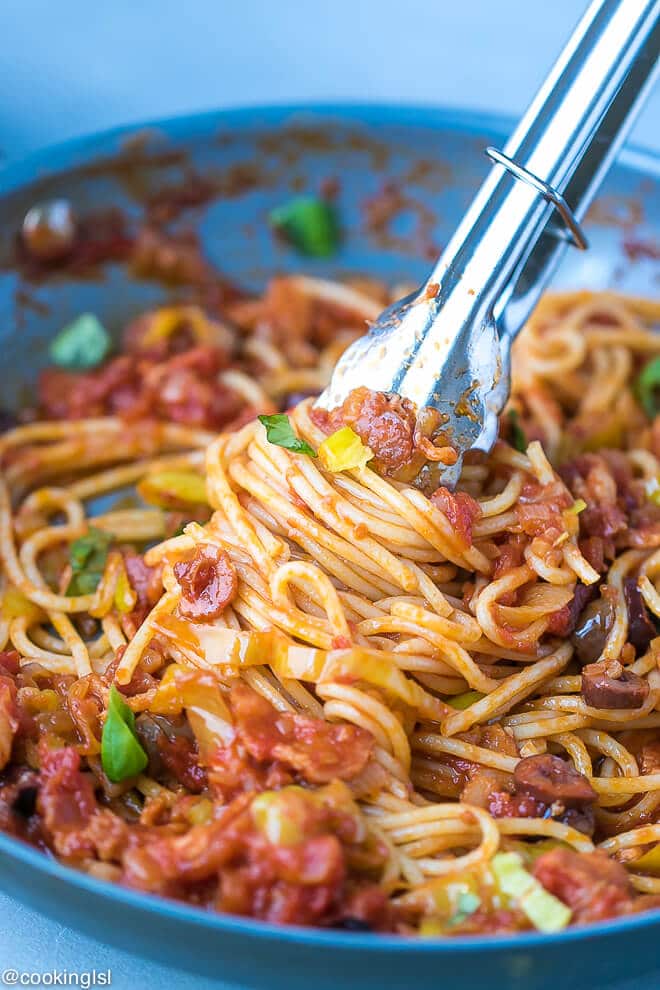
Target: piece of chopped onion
{"points": [[282, 815], [359, 664], [222, 647], [201, 812], [41, 701], [199, 693]]}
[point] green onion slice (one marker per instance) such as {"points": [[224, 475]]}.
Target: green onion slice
{"points": [[309, 224], [464, 700], [648, 388], [81, 345], [467, 905], [87, 556], [518, 438], [545, 911]]}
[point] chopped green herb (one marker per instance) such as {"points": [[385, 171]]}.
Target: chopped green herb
{"points": [[87, 556], [122, 755], [280, 432], [81, 345], [578, 506], [518, 438], [309, 224], [648, 388], [464, 700], [467, 905]]}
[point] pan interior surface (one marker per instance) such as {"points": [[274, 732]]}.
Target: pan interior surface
{"points": [[243, 164]]}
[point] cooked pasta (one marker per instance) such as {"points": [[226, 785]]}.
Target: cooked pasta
{"points": [[272, 667]]}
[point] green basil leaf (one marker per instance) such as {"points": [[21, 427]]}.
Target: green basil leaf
{"points": [[280, 432], [518, 438], [467, 905], [122, 755], [81, 345], [648, 388], [87, 556], [309, 224]]}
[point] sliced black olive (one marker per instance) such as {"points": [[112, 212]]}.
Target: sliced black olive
{"points": [[641, 629], [49, 230], [293, 398], [349, 924], [549, 779], [591, 631], [7, 420], [610, 685], [583, 594], [583, 819], [149, 728], [87, 625], [25, 802]]}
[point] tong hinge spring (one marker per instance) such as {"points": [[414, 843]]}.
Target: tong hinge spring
{"points": [[575, 232]]}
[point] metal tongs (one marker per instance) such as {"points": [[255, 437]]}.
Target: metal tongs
{"points": [[448, 346]]}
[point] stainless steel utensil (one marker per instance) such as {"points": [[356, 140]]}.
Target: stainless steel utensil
{"points": [[448, 346]]}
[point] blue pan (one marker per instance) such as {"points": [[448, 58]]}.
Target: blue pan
{"points": [[256, 159]]}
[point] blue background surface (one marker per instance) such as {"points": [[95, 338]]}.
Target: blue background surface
{"points": [[72, 67]]}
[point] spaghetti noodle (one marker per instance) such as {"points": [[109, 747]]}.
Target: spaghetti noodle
{"points": [[310, 686]]}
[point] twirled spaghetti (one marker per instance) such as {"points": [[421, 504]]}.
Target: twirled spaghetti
{"points": [[337, 694]]}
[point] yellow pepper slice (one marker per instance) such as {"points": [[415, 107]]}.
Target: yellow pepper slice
{"points": [[173, 489], [343, 451], [124, 597], [648, 863], [15, 605]]}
